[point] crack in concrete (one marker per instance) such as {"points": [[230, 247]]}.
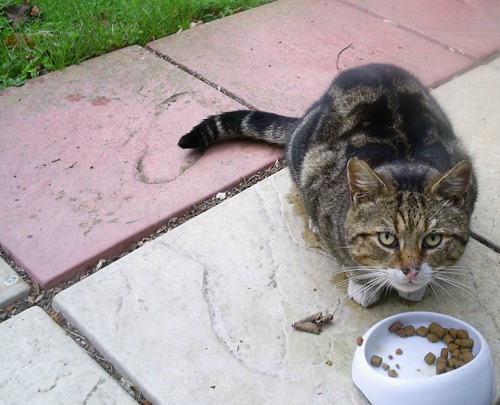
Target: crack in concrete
{"points": [[128, 290], [51, 387], [215, 320], [119, 306], [274, 276], [93, 390]]}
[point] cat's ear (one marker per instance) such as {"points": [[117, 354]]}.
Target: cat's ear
{"points": [[454, 183], [363, 181]]}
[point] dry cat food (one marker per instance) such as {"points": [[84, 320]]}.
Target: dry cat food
{"points": [[430, 358], [392, 373], [458, 350], [422, 331], [395, 326], [376, 361], [409, 330]]}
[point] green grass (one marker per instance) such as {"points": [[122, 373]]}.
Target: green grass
{"points": [[70, 31]]}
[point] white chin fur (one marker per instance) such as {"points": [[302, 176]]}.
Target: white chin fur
{"points": [[402, 283]]}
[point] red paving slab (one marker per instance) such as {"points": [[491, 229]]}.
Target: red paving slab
{"points": [[282, 56], [470, 26], [90, 161]]}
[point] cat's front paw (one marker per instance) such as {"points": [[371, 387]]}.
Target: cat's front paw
{"points": [[414, 295], [362, 293]]}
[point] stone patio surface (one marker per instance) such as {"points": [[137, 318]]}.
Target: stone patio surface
{"points": [[12, 286], [41, 365], [203, 313]]}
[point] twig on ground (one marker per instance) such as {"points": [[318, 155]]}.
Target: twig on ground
{"points": [[340, 52]]}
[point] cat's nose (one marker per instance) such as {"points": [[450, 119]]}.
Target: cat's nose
{"points": [[411, 271]]}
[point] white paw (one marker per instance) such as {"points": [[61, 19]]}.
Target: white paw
{"points": [[312, 227], [362, 293], [414, 295]]}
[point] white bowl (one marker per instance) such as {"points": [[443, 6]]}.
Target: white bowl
{"points": [[417, 382]]}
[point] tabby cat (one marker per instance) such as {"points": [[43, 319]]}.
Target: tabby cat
{"points": [[387, 185]]}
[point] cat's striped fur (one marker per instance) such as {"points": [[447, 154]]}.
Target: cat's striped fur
{"points": [[374, 158]]}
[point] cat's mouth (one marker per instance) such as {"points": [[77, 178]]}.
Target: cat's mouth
{"points": [[409, 286], [410, 280]]}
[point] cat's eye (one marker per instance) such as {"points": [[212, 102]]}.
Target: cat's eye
{"points": [[432, 240], [388, 239]]}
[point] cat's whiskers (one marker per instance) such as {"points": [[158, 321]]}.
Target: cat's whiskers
{"points": [[457, 269], [359, 268], [456, 283], [367, 268], [441, 291], [375, 285], [455, 273], [437, 291], [371, 279], [368, 274], [441, 279], [368, 271], [374, 279]]}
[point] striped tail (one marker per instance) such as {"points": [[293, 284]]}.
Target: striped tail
{"points": [[241, 124]]}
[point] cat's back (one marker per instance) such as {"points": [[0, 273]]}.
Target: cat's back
{"points": [[378, 113], [382, 113]]}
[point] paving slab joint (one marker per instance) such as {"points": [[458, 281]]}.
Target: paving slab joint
{"points": [[491, 58], [86, 344], [485, 242], [409, 29], [198, 76], [460, 72]]}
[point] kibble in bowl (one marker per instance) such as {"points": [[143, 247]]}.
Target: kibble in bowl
{"points": [[420, 377]]}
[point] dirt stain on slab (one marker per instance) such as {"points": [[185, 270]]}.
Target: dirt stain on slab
{"points": [[295, 199], [312, 240], [165, 104], [103, 100], [74, 97], [142, 177]]}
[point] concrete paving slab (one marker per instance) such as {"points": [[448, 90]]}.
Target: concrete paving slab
{"points": [[472, 103], [90, 160], [180, 356], [12, 287], [495, 63], [468, 26], [282, 56], [205, 311], [41, 365]]}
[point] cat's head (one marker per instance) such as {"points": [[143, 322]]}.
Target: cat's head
{"points": [[402, 237]]}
